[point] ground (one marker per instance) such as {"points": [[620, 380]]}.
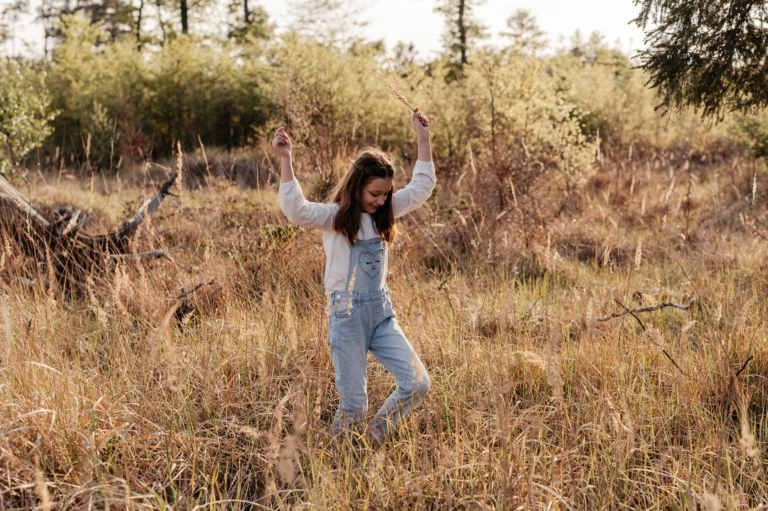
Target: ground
{"points": [[125, 397]]}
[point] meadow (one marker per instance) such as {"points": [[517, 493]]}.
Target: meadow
{"points": [[586, 286], [204, 381]]}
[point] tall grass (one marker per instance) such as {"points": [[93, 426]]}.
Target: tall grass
{"points": [[118, 400]]}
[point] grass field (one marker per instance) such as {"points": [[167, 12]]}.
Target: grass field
{"points": [[122, 399]]}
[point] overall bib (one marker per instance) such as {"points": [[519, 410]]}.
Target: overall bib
{"points": [[361, 319]]}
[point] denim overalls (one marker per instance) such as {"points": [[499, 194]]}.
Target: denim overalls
{"points": [[361, 319]]}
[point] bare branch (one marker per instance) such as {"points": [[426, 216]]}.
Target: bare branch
{"points": [[647, 309], [149, 254], [189, 292]]}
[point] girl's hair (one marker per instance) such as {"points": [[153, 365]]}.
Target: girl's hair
{"points": [[369, 164]]}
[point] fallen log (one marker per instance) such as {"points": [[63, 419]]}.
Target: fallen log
{"points": [[56, 244]]}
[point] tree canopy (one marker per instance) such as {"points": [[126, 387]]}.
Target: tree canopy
{"points": [[710, 55]]}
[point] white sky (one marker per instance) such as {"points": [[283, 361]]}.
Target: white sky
{"points": [[414, 21]]}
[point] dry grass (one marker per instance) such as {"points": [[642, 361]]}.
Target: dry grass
{"points": [[117, 402], [395, 89]]}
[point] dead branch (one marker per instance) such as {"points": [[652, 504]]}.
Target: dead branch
{"points": [[189, 301], [646, 309], [54, 241], [119, 238], [149, 254], [189, 292], [649, 309]]}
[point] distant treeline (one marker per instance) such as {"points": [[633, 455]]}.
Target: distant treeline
{"points": [[106, 98]]}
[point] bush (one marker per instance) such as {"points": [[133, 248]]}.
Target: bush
{"points": [[24, 114], [613, 101], [527, 119], [184, 90], [509, 111]]}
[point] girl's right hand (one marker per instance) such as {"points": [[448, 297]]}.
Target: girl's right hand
{"points": [[281, 144]]}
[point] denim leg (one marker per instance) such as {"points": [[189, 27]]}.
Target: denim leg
{"points": [[348, 345], [390, 347]]}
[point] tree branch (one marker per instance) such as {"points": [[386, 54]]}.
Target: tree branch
{"points": [[646, 309]]}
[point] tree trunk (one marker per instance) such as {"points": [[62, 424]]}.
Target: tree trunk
{"points": [[246, 13], [184, 22], [138, 25], [462, 33], [160, 18]]}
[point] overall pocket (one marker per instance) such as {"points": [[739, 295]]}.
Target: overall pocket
{"points": [[345, 308]]}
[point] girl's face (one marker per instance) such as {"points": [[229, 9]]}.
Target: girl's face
{"points": [[375, 194]]}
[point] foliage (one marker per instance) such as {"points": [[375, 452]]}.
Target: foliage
{"points": [[612, 100], [709, 55], [24, 113], [512, 106], [751, 131], [506, 109], [91, 85], [252, 25], [183, 90], [114, 16]]}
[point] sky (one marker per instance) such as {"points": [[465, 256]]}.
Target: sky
{"points": [[415, 21]]}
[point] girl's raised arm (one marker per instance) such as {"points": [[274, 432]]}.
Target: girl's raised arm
{"points": [[423, 180], [300, 211]]}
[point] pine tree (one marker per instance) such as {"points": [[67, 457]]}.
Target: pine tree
{"points": [[334, 22], [251, 22], [525, 32], [462, 29], [709, 55]]}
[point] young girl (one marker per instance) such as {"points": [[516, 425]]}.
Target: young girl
{"points": [[358, 226]]}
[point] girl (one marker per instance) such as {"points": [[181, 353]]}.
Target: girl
{"points": [[358, 225]]}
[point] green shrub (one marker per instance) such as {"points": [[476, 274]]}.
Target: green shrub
{"points": [[184, 90], [24, 114]]}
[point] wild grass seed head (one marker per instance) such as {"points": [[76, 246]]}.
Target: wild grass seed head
{"points": [[397, 93]]}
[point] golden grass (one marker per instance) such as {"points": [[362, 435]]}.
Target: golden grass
{"points": [[533, 403]]}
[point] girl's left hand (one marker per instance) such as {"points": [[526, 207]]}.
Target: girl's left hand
{"points": [[420, 123], [282, 143]]}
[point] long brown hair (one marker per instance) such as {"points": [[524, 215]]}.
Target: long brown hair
{"points": [[369, 164]]}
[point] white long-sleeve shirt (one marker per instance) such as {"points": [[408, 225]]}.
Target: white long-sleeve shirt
{"points": [[318, 215]]}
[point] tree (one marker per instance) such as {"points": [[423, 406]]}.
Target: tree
{"points": [[334, 22], [709, 55], [525, 32], [405, 55], [24, 114], [462, 30], [587, 50], [114, 16], [254, 23], [139, 12], [12, 13]]}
